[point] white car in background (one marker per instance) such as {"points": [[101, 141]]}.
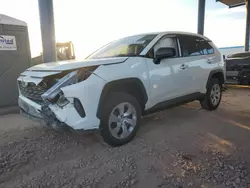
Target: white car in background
{"points": [[112, 88]]}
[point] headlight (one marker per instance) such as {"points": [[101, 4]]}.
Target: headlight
{"points": [[69, 79], [53, 92], [62, 101]]}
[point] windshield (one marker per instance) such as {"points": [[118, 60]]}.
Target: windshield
{"points": [[129, 46]]}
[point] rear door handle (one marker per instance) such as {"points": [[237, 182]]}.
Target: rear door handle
{"points": [[183, 66]]}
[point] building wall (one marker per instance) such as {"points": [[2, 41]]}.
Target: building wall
{"points": [[13, 62]]}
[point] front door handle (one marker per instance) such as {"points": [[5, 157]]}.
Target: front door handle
{"points": [[183, 66], [209, 61]]}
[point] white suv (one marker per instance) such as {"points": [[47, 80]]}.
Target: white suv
{"points": [[112, 88]]}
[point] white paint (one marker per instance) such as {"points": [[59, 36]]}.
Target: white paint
{"points": [[73, 64], [7, 43], [162, 82], [36, 74], [29, 79]]}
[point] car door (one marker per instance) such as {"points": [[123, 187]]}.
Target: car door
{"points": [[211, 59], [168, 78], [194, 60], [200, 59]]}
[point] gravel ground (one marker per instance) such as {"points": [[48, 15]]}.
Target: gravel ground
{"points": [[181, 147]]}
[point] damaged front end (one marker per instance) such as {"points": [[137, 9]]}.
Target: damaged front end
{"points": [[42, 98], [45, 116]]}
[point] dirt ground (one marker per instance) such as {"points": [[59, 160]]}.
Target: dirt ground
{"points": [[181, 147]]}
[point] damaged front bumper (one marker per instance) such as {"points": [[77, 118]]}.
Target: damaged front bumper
{"points": [[76, 106], [60, 100], [39, 113], [53, 116]]}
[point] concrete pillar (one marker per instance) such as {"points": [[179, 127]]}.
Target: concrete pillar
{"points": [[47, 30], [201, 16], [247, 25]]}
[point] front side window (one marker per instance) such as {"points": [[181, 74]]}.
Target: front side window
{"points": [[166, 42], [129, 46], [194, 46]]}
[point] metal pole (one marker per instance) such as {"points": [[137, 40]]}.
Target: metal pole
{"points": [[47, 30], [247, 26], [201, 16]]}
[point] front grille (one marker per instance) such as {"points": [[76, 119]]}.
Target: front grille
{"points": [[32, 91]]}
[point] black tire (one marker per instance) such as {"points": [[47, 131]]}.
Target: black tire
{"points": [[111, 101], [206, 103]]}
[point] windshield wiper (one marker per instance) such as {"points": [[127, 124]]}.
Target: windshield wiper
{"points": [[120, 55], [126, 55]]}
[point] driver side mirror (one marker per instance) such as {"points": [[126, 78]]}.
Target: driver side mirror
{"points": [[163, 53]]}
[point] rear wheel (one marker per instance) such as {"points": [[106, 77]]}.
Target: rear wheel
{"points": [[212, 98], [120, 118]]}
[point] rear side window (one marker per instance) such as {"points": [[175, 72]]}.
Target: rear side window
{"points": [[206, 48], [194, 46]]}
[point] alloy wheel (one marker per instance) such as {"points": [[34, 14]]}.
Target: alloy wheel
{"points": [[122, 120], [215, 94]]}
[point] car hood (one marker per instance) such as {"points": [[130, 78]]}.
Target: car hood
{"points": [[234, 62], [69, 65]]}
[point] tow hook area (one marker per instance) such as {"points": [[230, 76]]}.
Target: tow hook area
{"points": [[50, 118], [47, 118]]}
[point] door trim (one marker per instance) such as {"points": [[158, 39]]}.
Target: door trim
{"points": [[174, 102]]}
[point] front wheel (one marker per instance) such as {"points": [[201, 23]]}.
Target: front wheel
{"points": [[120, 118], [213, 95]]}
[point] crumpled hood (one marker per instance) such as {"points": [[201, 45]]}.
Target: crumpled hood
{"points": [[68, 65], [36, 73]]}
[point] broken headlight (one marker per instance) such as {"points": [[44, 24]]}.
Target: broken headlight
{"points": [[84, 73], [73, 77], [54, 91], [62, 100]]}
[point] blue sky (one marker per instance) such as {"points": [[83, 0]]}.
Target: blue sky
{"points": [[90, 24]]}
